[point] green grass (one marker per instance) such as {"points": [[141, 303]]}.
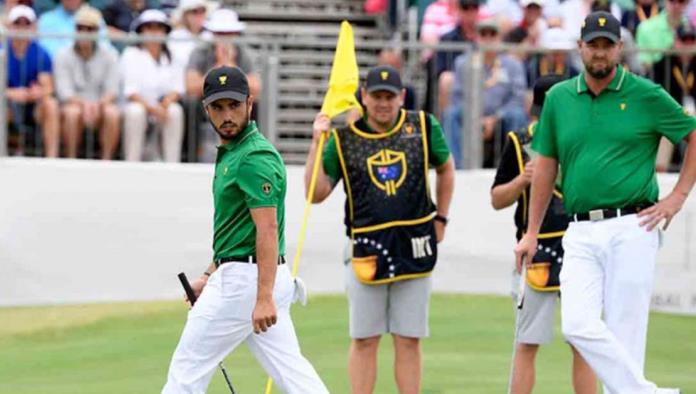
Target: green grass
{"points": [[125, 348]]}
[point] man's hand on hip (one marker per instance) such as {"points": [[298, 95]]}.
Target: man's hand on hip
{"points": [[264, 315], [525, 251], [665, 210]]}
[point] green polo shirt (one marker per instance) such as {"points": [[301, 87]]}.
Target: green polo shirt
{"points": [[607, 145], [249, 173], [438, 154]]}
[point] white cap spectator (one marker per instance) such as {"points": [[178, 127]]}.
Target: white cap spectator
{"points": [[21, 11], [151, 16], [556, 39], [88, 16], [527, 3], [224, 21], [188, 5]]}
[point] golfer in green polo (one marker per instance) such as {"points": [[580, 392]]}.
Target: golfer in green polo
{"points": [[603, 128], [245, 294]]}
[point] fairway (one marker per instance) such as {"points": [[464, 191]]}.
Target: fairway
{"points": [[125, 348]]}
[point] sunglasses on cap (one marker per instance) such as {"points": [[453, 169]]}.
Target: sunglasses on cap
{"points": [[679, 1], [470, 7]]}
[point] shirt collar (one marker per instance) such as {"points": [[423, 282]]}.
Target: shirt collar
{"points": [[237, 139], [616, 84]]}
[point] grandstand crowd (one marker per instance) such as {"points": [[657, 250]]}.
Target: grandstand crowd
{"points": [[61, 91]]}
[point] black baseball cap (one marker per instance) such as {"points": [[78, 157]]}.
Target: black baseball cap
{"points": [[685, 32], [542, 85], [225, 83], [600, 24], [383, 78]]}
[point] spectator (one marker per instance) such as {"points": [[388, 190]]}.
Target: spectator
{"points": [[556, 61], [644, 9], [119, 15], [508, 13], [464, 32], [224, 24], [191, 17], [676, 73], [87, 83], [152, 84], [502, 98], [438, 19], [658, 31], [30, 83], [61, 20], [531, 26], [573, 13]]}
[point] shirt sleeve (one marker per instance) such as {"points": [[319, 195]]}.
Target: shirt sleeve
{"points": [[438, 150], [672, 121], [544, 141], [262, 179], [64, 86], [330, 160], [509, 168], [45, 63]]}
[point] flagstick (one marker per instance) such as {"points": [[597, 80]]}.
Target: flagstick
{"points": [[303, 229]]}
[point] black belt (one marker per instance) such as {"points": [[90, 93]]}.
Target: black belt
{"points": [[602, 214], [243, 259]]}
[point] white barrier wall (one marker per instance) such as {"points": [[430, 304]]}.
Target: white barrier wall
{"points": [[87, 231]]}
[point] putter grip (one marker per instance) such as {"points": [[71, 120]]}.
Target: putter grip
{"points": [[187, 288]]}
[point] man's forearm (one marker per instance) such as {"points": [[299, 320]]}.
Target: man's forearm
{"points": [[502, 196], [542, 189], [687, 176], [444, 187], [267, 261]]}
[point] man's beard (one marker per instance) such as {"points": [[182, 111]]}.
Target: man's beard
{"points": [[236, 129], [600, 73]]}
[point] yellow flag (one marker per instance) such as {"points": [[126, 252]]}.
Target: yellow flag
{"points": [[344, 79]]}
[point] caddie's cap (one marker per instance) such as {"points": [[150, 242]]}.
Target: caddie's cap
{"points": [[601, 24], [542, 85], [225, 83], [383, 78]]}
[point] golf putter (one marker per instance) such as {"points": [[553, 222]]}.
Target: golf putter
{"points": [[192, 299]]}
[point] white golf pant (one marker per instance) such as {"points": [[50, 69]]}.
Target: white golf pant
{"points": [[606, 285], [221, 320]]}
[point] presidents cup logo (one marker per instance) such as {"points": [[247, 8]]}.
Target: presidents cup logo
{"points": [[387, 170]]}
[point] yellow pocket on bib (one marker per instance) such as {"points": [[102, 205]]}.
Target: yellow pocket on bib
{"points": [[365, 268], [538, 275]]}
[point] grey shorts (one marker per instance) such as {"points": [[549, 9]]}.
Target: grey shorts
{"points": [[535, 321], [399, 308]]}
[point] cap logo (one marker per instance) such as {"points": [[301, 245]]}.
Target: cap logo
{"points": [[384, 75], [222, 79], [623, 106], [583, 24], [602, 22]]}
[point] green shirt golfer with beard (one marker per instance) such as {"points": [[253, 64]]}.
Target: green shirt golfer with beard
{"points": [[245, 295], [602, 128]]}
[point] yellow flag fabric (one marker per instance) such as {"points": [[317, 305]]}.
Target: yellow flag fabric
{"points": [[344, 79]]}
